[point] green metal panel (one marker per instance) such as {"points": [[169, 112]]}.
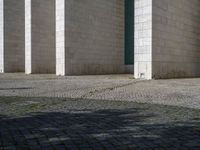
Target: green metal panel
{"points": [[129, 32]]}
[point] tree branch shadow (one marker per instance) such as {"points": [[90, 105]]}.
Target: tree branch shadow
{"points": [[103, 129]]}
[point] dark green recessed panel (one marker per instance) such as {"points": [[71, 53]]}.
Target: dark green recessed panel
{"points": [[129, 32]]}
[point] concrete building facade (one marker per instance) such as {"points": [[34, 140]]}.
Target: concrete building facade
{"points": [[167, 38], [12, 50], [175, 38], [90, 37], [152, 38]]}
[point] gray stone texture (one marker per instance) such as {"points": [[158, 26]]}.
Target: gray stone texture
{"points": [[1, 37], [176, 40], [12, 50], [90, 37], [176, 92], [40, 36]]}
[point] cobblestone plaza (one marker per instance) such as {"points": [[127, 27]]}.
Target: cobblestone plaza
{"points": [[44, 112]]}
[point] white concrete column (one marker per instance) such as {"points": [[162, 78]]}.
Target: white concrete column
{"points": [[40, 36], [60, 37], [28, 63], [143, 39]]}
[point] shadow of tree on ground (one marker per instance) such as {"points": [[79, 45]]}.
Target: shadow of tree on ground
{"points": [[103, 129]]}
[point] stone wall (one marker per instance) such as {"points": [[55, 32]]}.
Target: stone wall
{"points": [[90, 37], [12, 51], [93, 37], [176, 38], [167, 41], [40, 33], [1, 36]]}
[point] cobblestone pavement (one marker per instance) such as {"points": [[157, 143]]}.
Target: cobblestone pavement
{"points": [[176, 92], [61, 123]]}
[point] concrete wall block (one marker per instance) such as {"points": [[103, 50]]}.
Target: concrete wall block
{"points": [[12, 51], [1, 36], [40, 30], [94, 36], [176, 30]]}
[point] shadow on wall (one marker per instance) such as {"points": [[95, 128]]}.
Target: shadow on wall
{"points": [[103, 129]]}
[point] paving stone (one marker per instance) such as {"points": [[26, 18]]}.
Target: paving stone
{"points": [[67, 123]]}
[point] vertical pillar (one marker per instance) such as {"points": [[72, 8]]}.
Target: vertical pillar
{"points": [[28, 63], [143, 39], [60, 37], [40, 36], [12, 51]]}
